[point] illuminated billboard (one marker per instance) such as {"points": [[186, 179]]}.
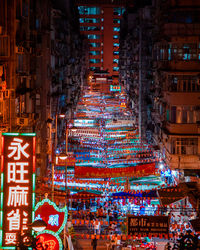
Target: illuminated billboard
{"points": [[115, 88], [17, 186]]}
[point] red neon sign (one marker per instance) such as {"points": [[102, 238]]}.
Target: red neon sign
{"points": [[47, 241], [18, 166]]}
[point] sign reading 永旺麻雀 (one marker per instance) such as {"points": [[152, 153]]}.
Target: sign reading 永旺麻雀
{"points": [[17, 186]]}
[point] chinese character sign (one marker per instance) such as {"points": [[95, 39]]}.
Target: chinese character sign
{"points": [[17, 180], [148, 224], [54, 216]]}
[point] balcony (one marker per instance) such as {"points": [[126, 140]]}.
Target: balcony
{"points": [[179, 29], [182, 128], [182, 161], [182, 98]]}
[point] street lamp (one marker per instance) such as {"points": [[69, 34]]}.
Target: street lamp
{"points": [[39, 225]]}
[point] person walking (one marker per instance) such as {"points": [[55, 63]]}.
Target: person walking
{"points": [[94, 242]]}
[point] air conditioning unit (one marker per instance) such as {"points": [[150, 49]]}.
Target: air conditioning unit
{"points": [[19, 49], [1, 96], [6, 93], [21, 121]]}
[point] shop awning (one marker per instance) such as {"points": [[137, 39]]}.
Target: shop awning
{"points": [[126, 195], [86, 195], [170, 195]]}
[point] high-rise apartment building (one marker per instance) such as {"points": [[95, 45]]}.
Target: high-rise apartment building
{"points": [[100, 23]]}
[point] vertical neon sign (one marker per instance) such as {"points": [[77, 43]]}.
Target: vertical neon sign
{"points": [[17, 186]]}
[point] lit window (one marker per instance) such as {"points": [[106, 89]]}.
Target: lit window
{"points": [[116, 44], [89, 20], [94, 60], [116, 20], [89, 28], [94, 53], [85, 10], [115, 37], [93, 36], [118, 11], [116, 29], [115, 60], [115, 52], [94, 45], [115, 68]]}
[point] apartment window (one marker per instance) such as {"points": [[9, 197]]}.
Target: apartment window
{"points": [[94, 52], [116, 60], [94, 68], [94, 45], [183, 83], [94, 60], [115, 68], [115, 37], [118, 11], [116, 44], [115, 52], [185, 114], [93, 36], [116, 29], [85, 10], [89, 28], [89, 20], [116, 20], [184, 146]]}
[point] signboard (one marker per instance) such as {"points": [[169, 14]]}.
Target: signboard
{"points": [[115, 88], [95, 172], [65, 160], [54, 216], [148, 225], [17, 185], [49, 240]]}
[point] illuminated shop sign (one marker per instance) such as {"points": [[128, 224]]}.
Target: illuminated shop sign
{"points": [[84, 123], [54, 216], [17, 186], [115, 88], [148, 224], [49, 240]]}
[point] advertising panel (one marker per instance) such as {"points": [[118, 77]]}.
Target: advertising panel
{"points": [[148, 225], [17, 186]]}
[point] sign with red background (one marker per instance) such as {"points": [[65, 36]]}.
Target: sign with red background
{"points": [[47, 239], [17, 169], [54, 217]]}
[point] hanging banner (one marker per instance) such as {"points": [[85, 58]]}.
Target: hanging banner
{"points": [[54, 216], [17, 186], [148, 225], [137, 171]]}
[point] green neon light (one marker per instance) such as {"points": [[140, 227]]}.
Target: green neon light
{"points": [[33, 215], [2, 179], [1, 200], [1, 217], [28, 134], [33, 178], [64, 209], [16, 134], [33, 201], [55, 235], [11, 134], [1, 237]]}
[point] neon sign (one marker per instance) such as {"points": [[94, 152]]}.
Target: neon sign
{"points": [[54, 216], [115, 88], [50, 239], [17, 186]]}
